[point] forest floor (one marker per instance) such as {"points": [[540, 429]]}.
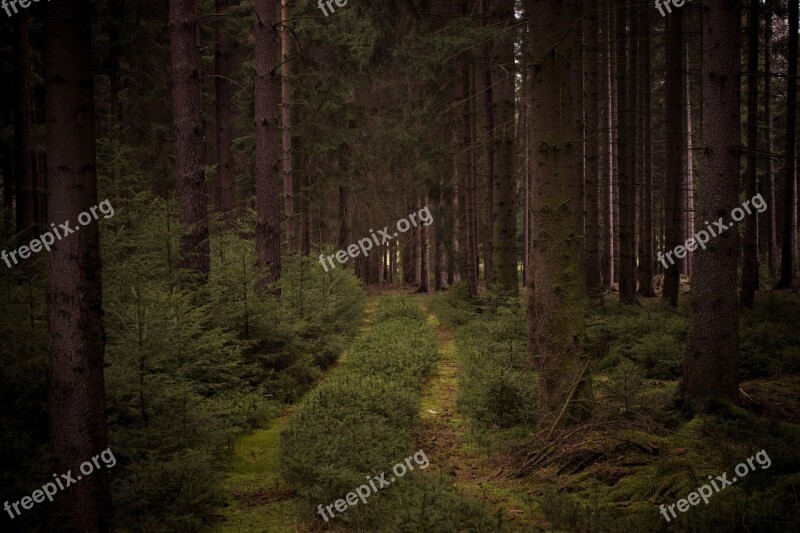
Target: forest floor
{"points": [[453, 448], [258, 499]]}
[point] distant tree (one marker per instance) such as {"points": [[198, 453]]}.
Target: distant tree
{"points": [[646, 247], [23, 130], [592, 117], [711, 364], [268, 209], [789, 252], [76, 387], [750, 278], [223, 69], [188, 125], [286, 130]]}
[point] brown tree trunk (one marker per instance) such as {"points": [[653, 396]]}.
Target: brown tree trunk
{"points": [[591, 248], [491, 100], [504, 268], [607, 166], [466, 238], [286, 122], [557, 294], [76, 388], [646, 248], [626, 105], [425, 265], [188, 126], [23, 131], [711, 366], [750, 246], [268, 208], [675, 155], [789, 252], [688, 191], [769, 175], [223, 66]]}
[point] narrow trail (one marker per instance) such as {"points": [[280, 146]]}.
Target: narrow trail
{"points": [[453, 449], [258, 498]]}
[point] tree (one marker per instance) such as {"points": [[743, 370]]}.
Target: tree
{"points": [[286, 123], [591, 247], [557, 297], [711, 366], [646, 248], [505, 187], [626, 123], [188, 125], [789, 252], [223, 67], [750, 249], [76, 391], [675, 153], [268, 211], [23, 131]]}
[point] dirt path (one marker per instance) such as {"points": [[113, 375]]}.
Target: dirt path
{"points": [[453, 449]]}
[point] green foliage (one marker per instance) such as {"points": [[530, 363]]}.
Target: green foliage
{"points": [[769, 339], [359, 422], [454, 307]]}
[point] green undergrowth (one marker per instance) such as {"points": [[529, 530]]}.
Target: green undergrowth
{"points": [[637, 452], [360, 422]]}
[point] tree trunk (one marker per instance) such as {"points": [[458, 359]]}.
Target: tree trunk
{"points": [[23, 132], [789, 252], [646, 248], [591, 246], [223, 66], [688, 192], [491, 100], [465, 174], [76, 388], [711, 367], [675, 154], [557, 297], [425, 265], [286, 121], [607, 136], [188, 125], [626, 105], [750, 247], [504, 271], [769, 175], [268, 209]]}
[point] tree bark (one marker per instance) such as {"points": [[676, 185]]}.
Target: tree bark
{"points": [[591, 248], [268, 209], [223, 66], [769, 175], [646, 248], [188, 126], [750, 248], [788, 277], [76, 388], [626, 105], [711, 366], [557, 294], [675, 154], [504, 271], [286, 122], [23, 132]]}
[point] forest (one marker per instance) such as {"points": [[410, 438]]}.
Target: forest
{"points": [[399, 266]]}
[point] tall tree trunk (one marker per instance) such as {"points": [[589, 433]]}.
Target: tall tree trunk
{"points": [[769, 175], [268, 208], [76, 388], [505, 186], [675, 154], [626, 105], [789, 252], [750, 247], [491, 100], [607, 136], [286, 121], [188, 124], [425, 264], [23, 131], [223, 66], [688, 192], [591, 248], [711, 366], [646, 248], [557, 293], [465, 173]]}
